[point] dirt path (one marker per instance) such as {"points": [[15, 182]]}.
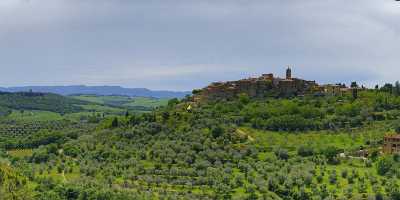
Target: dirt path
{"points": [[63, 175], [243, 133]]}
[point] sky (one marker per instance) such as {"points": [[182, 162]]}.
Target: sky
{"points": [[186, 44]]}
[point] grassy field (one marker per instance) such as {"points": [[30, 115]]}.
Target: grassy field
{"points": [[317, 139], [29, 116], [124, 101], [33, 116], [20, 153], [147, 102], [102, 99], [100, 108]]}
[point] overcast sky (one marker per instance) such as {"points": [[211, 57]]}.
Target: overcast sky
{"points": [[185, 44]]}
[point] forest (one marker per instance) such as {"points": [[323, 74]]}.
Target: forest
{"points": [[294, 148]]}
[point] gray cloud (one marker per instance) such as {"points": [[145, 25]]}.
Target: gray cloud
{"points": [[176, 44]]}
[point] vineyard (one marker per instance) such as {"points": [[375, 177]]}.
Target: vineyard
{"points": [[32, 127], [31, 135]]}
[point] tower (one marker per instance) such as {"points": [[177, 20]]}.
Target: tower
{"points": [[288, 73]]}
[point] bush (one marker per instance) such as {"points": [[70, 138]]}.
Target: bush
{"points": [[282, 154], [345, 173], [333, 177], [114, 123], [397, 129], [40, 155], [305, 151], [174, 101], [384, 165], [217, 131], [244, 98], [331, 154]]}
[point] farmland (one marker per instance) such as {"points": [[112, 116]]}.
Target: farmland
{"points": [[138, 103]]}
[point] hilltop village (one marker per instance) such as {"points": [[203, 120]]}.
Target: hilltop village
{"points": [[269, 85]]}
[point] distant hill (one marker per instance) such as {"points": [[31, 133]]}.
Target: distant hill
{"points": [[99, 90], [39, 101]]}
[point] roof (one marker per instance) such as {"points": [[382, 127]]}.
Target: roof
{"points": [[397, 136]]}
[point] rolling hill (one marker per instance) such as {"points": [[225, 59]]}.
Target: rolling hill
{"points": [[99, 90], [40, 101], [242, 148]]}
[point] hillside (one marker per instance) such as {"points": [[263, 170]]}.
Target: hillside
{"points": [[99, 90], [243, 148], [12, 184], [39, 101]]}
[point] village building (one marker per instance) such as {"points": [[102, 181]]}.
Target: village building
{"points": [[332, 89], [391, 144], [267, 84]]}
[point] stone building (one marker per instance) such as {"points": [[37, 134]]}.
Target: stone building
{"points": [[391, 144], [288, 74], [333, 89]]}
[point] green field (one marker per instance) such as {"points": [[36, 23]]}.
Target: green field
{"points": [[105, 109], [146, 102], [33, 115], [20, 153], [124, 101], [317, 139], [135, 103], [102, 99]]}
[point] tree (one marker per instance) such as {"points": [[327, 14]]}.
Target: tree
{"points": [[127, 114], [244, 98], [349, 191], [345, 173], [305, 151], [393, 189], [165, 115], [282, 154], [134, 120], [114, 123], [379, 196], [354, 93], [333, 177], [196, 91], [173, 102], [384, 165], [331, 153], [388, 87], [396, 89], [217, 131]]}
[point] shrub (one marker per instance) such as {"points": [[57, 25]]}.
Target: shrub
{"points": [[331, 154], [397, 129], [305, 151], [217, 131], [384, 165], [114, 123], [333, 177], [282, 154], [345, 173]]}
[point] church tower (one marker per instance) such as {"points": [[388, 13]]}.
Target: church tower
{"points": [[288, 73]]}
